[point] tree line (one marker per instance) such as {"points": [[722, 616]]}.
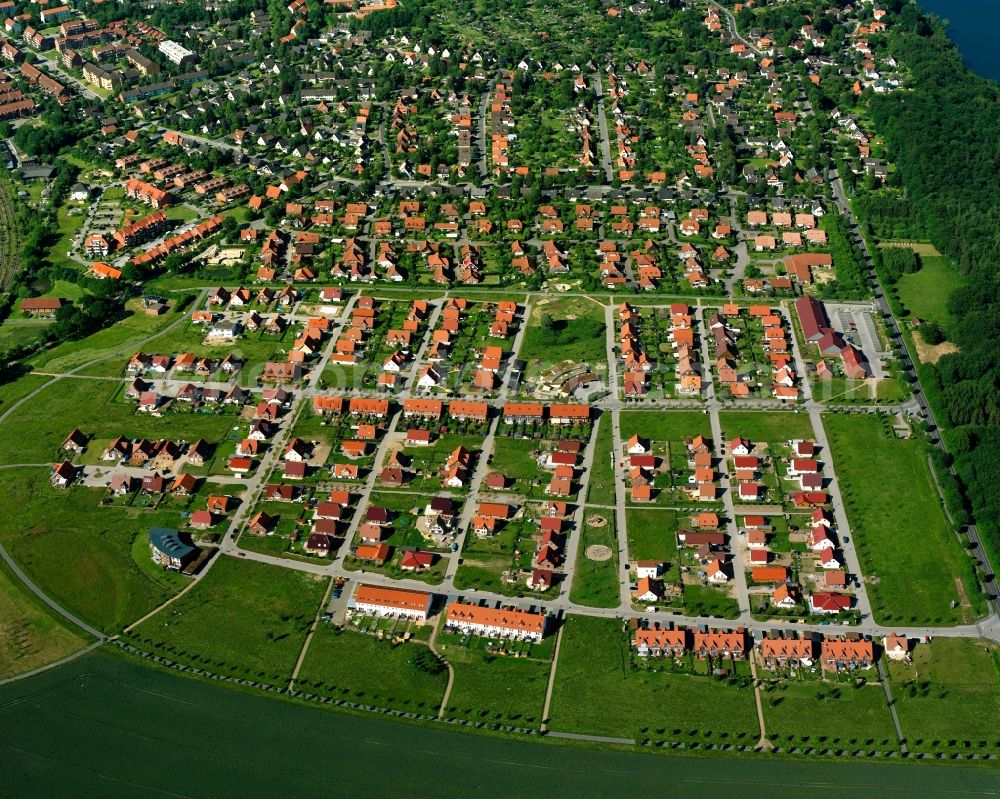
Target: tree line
{"points": [[942, 134]]}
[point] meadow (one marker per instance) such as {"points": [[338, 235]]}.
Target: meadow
{"points": [[595, 583], [770, 426], [917, 571], [577, 332], [361, 668], [30, 634], [97, 408], [244, 618], [82, 555], [925, 293], [598, 692], [948, 698]]}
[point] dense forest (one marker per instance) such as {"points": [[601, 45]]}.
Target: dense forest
{"points": [[943, 135]]}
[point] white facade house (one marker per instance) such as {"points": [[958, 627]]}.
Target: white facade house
{"points": [[175, 52], [648, 568], [510, 623], [372, 600]]}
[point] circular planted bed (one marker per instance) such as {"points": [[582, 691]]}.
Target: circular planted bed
{"points": [[599, 552]]}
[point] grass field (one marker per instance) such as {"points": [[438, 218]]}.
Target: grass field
{"points": [[180, 214], [20, 388], [597, 692], [114, 340], [237, 742], [65, 290], [577, 333], [770, 426], [82, 555], [96, 407], [924, 248], [360, 668], [595, 583], [69, 218], [665, 426], [652, 535], [601, 485], [496, 689], [814, 713], [30, 635], [21, 333], [244, 618], [925, 293], [840, 390], [949, 697], [700, 600], [513, 459], [901, 533]]}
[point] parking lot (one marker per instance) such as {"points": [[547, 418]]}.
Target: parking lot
{"points": [[856, 324]]}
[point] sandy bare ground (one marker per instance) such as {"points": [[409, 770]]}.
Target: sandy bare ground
{"points": [[598, 552], [931, 353]]}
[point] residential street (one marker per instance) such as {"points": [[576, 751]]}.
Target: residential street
{"points": [[611, 409], [685, 231]]}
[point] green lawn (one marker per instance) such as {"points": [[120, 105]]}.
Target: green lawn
{"points": [[20, 388], [595, 583], [81, 554], [598, 692], [496, 688], [30, 634], [180, 214], [244, 618], [115, 340], [652, 535], [65, 290], [665, 426], [577, 332], [839, 715], [900, 530], [513, 458], [98, 409], [949, 697], [361, 668], [21, 333], [601, 485], [69, 219], [840, 390], [770, 426], [700, 600], [925, 293]]}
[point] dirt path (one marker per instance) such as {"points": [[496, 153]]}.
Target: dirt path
{"points": [[763, 744], [312, 632], [963, 596], [432, 643], [552, 682]]}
